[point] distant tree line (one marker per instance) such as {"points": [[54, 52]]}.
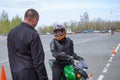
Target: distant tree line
{"points": [[5, 24], [84, 24]]}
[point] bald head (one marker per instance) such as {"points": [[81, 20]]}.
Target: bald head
{"points": [[31, 17]]}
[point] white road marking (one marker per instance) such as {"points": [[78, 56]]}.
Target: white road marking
{"points": [[88, 39], [110, 60], [113, 55], [117, 47], [105, 70], [108, 65], [3, 61], [100, 77], [80, 41]]}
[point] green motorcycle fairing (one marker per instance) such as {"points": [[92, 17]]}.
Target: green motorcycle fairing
{"points": [[69, 72]]}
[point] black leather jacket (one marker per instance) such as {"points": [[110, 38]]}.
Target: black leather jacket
{"points": [[26, 55], [58, 47]]}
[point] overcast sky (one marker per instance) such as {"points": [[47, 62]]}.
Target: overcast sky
{"points": [[52, 11]]}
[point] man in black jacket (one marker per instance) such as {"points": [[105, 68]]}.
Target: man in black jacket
{"points": [[60, 47], [25, 50]]}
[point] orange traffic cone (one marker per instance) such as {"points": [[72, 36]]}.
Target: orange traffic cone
{"points": [[3, 75], [0, 77], [91, 76], [113, 50]]}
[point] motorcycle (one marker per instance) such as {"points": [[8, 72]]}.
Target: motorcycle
{"points": [[73, 71], [112, 32]]}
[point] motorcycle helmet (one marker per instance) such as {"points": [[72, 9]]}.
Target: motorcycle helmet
{"points": [[59, 32]]}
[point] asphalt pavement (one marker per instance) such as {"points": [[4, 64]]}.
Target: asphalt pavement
{"points": [[95, 48]]}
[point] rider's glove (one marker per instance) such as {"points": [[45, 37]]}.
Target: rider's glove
{"points": [[62, 54]]}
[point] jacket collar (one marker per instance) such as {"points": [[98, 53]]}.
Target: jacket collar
{"points": [[26, 24]]}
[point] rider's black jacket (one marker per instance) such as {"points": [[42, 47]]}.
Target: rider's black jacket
{"points": [[63, 46]]}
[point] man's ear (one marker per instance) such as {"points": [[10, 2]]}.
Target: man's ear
{"points": [[35, 19]]}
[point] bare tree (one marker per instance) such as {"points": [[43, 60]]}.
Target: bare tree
{"points": [[84, 20]]}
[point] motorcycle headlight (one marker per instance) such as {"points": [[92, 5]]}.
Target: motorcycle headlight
{"points": [[78, 75]]}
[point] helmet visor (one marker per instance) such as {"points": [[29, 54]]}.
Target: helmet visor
{"points": [[59, 32]]}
